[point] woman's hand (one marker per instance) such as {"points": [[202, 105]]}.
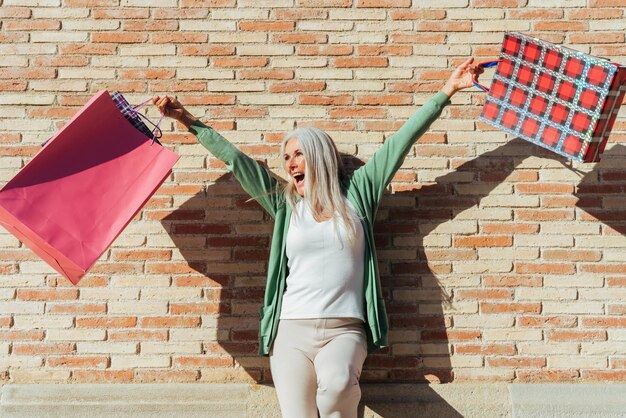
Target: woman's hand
{"points": [[462, 77], [172, 108]]}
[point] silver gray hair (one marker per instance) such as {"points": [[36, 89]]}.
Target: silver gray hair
{"points": [[323, 177]]}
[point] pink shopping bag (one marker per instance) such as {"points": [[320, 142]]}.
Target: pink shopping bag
{"points": [[71, 201]]}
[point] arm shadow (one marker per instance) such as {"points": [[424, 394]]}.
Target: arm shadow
{"points": [[223, 240], [601, 192]]}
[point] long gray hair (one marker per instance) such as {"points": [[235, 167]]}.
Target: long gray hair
{"points": [[324, 175]]}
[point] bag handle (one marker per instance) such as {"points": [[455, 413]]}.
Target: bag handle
{"points": [[485, 64], [157, 125]]}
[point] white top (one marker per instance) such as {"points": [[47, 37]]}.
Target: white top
{"points": [[325, 271]]}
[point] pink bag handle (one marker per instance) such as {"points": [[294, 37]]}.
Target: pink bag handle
{"points": [[156, 125]]}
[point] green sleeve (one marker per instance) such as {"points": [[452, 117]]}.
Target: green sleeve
{"points": [[373, 178], [255, 179]]}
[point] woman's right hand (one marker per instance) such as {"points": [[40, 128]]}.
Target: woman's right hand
{"points": [[172, 108]]}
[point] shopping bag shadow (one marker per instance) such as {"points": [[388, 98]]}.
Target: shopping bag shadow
{"points": [[601, 192], [223, 240]]}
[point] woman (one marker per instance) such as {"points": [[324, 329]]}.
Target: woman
{"points": [[323, 309]]}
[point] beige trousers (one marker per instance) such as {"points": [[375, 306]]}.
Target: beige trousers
{"points": [[316, 365]]}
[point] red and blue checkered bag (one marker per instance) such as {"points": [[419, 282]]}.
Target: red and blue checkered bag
{"points": [[555, 97]]}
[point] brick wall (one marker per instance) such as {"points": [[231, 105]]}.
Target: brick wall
{"points": [[499, 261]]}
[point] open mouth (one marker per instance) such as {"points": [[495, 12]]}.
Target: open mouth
{"points": [[298, 179]]}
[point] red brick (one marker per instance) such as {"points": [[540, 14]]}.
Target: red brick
{"points": [[541, 376], [571, 255], [544, 188], [78, 362], [483, 241], [299, 13], [202, 362], [16, 12], [27, 73], [490, 308], [455, 26], [60, 61], [119, 37], [465, 294], [53, 112], [32, 24], [150, 25], [19, 151], [600, 322], [534, 14], [383, 3], [325, 3], [547, 321], [560, 25], [544, 215], [509, 228], [47, 294], [604, 375], [200, 281], [173, 267], [12, 86], [21, 349], [560, 201], [103, 376], [516, 362], [485, 349], [87, 49], [603, 268], [597, 38], [616, 281], [21, 335], [594, 14], [572, 335], [420, 14]]}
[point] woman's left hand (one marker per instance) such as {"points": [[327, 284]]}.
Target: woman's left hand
{"points": [[462, 77]]}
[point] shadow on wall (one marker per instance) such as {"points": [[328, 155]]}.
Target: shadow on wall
{"points": [[225, 240], [601, 192]]}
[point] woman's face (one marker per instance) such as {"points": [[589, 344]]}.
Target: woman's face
{"points": [[295, 164]]}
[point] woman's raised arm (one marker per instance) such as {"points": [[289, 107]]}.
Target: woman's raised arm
{"points": [[255, 179]]}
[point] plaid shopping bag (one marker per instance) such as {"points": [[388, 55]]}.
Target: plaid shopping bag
{"points": [[555, 97], [73, 198]]}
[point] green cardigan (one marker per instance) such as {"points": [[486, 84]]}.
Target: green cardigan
{"points": [[364, 190]]}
